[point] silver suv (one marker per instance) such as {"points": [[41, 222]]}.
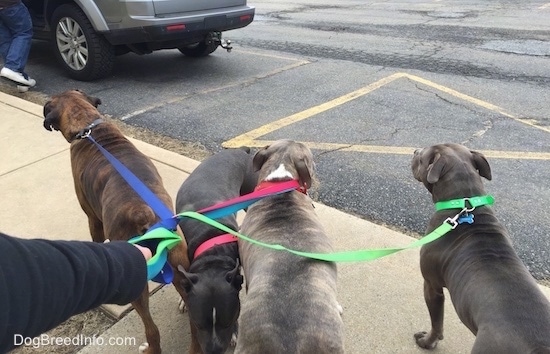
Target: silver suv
{"points": [[88, 34]]}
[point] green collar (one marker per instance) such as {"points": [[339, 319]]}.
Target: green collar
{"points": [[465, 203]]}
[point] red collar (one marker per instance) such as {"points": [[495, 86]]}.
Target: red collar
{"points": [[213, 242], [267, 184]]}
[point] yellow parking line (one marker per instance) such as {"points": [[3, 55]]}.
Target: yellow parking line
{"points": [[402, 150], [521, 155], [250, 138], [475, 101], [460, 95], [283, 122]]}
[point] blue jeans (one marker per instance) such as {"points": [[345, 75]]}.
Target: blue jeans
{"points": [[15, 36]]}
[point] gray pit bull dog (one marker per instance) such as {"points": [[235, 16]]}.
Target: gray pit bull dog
{"points": [[493, 293], [214, 280], [291, 304]]}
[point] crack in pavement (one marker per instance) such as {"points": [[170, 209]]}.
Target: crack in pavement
{"points": [[487, 125]]}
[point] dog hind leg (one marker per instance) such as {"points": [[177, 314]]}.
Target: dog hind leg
{"points": [[152, 334]]}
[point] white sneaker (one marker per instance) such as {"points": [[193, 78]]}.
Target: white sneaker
{"points": [[20, 78], [22, 88]]}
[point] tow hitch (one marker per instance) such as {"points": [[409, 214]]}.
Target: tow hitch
{"points": [[216, 37]]}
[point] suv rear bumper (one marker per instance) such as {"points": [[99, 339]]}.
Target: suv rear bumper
{"points": [[188, 30]]}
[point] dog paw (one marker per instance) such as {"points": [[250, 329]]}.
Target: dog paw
{"points": [[181, 306], [340, 309], [427, 341], [143, 348], [107, 241], [233, 342]]}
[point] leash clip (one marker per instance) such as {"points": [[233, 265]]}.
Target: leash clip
{"points": [[466, 209], [84, 133], [455, 220]]}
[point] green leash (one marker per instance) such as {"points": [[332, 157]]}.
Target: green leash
{"points": [[346, 256], [362, 255], [359, 255]]}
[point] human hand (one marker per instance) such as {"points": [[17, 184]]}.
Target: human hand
{"points": [[147, 254], [145, 251]]}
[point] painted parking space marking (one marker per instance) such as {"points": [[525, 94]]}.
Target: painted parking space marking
{"points": [[252, 137], [295, 63]]}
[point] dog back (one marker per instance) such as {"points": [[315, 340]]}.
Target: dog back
{"points": [[291, 304]]}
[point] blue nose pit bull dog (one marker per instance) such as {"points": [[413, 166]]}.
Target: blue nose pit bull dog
{"points": [[493, 293], [291, 304], [213, 281]]}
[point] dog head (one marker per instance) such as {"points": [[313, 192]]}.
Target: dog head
{"points": [[213, 303], [285, 160], [450, 171], [70, 112]]}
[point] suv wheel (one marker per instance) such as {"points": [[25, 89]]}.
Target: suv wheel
{"points": [[85, 54], [200, 49]]}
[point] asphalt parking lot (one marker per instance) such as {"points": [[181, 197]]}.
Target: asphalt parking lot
{"points": [[363, 97]]}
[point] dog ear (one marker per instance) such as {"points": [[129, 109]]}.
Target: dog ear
{"points": [[482, 165], [51, 118], [435, 169], [260, 158], [303, 174], [93, 100], [234, 277], [190, 279]]}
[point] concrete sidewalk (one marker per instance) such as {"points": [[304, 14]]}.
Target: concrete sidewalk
{"points": [[382, 300]]}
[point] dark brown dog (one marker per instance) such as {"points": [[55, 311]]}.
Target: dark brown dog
{"points": [[493, 293], [291, 304], [115, 211]]}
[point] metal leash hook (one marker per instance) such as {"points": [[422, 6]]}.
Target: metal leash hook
{"points": [[86, 133], [463, 216]]}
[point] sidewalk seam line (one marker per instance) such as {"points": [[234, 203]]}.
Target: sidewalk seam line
{"points": [[33, 162]]}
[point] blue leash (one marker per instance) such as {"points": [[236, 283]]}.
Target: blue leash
{"points": [[158, 270]]}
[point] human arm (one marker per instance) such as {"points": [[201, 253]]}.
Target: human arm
{"points": [[43, 283]]}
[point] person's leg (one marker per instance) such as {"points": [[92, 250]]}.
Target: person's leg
{"points": [[18, 20], [5, 39]]}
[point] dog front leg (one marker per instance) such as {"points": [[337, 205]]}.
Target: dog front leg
{"points": [[152, 346], [435, 300], [195, 347], [176, 257]]}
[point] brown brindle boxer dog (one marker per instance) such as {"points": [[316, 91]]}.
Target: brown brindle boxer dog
{"points": [[492, 291], [291, 304], [115, 211]]}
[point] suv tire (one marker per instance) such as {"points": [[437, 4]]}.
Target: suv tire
{"points": [[85, 54], [200, 49]]}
